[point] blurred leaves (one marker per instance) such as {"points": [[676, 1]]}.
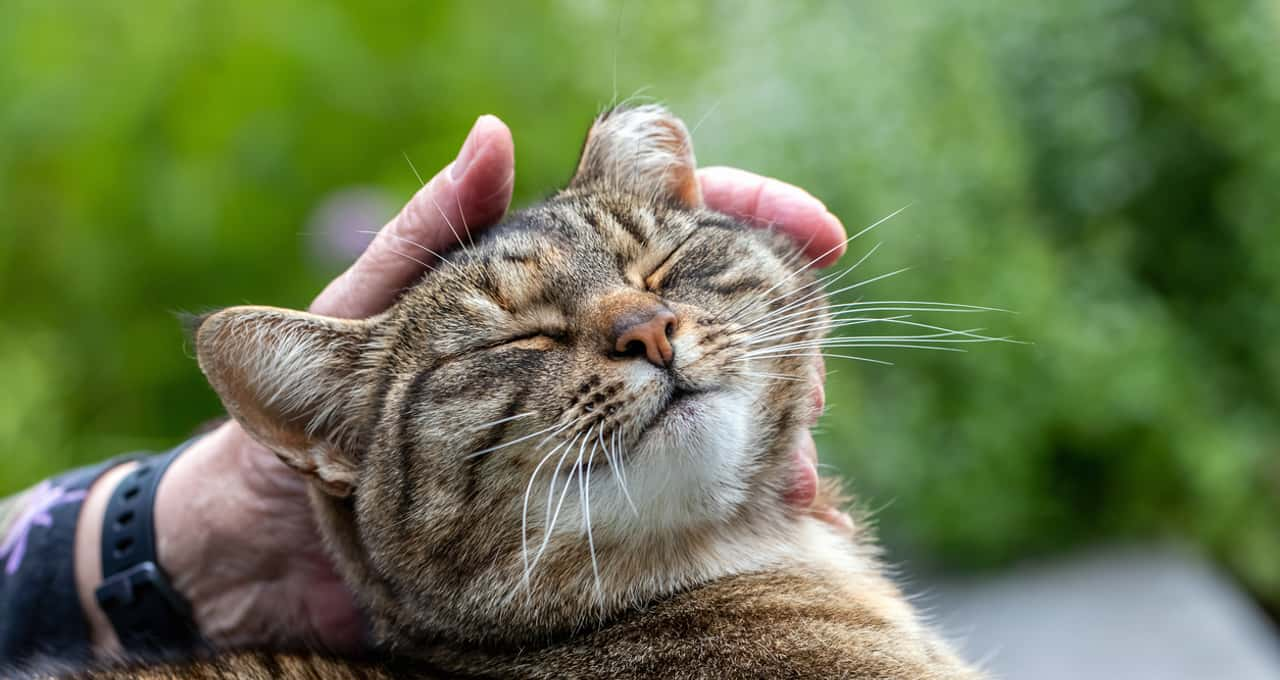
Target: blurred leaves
{"points": [[1106, 168]]}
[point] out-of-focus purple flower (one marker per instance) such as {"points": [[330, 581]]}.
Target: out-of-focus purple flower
{"points": [[39, 501], [341, 225]]}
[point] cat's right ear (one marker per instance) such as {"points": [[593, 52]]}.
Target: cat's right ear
{"points": [[644, 150], [291, 380]]}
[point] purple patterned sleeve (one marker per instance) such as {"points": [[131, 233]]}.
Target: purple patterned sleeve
{"points": [[40, 614]]}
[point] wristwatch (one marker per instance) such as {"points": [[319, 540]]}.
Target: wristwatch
{"points": [[147, 613]]}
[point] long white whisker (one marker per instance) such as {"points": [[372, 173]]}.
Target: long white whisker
{"points": [[769, 376], [462, 215], [413, 259], [847, 241], [871, 306], [622, 472], [946, 335], [820, 354], [500, 421], [818, 294], [410, 242], [524, 512], [812, 295], [942, 332], [421, 182], [584, 489], [885, 345], [820, 282], [822, 324], [553, 519], [554, 426]]}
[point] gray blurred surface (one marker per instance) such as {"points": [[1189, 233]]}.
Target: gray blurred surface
{"points": [[1129, 613]]}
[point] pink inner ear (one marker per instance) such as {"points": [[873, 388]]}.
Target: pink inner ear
{"points": [[682, 175], [687, 188]]}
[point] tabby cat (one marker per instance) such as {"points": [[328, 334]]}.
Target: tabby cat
{"points": [[564, 453]]}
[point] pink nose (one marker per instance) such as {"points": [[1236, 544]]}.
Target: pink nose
{"points": [[646, 333]]}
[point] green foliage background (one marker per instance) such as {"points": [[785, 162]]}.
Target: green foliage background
{"points": [[1108, 168]]}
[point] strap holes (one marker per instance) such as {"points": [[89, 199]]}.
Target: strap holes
{"points": [[123, 546], [124, 519], [131, 492]]}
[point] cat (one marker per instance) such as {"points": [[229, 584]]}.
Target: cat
{"points": [[564, 453]]}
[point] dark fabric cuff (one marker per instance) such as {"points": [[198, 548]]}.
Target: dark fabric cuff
{"points": [[40, 613]]}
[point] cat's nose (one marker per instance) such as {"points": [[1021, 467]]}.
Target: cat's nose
{"points": [[646, 332]]}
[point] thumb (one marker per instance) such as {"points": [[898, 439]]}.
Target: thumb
{"points": [[469, 194]]}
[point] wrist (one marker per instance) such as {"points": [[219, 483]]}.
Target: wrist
{"points": [[88, 558]]}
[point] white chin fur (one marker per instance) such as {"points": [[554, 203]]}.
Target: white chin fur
{"points": [[688, 469]]}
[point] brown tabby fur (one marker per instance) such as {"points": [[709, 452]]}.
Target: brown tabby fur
{"points": [[421, 491]]}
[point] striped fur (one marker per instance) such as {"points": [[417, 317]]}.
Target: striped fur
{"points": [[459, 439]]}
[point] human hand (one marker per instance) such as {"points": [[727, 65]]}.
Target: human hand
{"points": [[234, 525]]}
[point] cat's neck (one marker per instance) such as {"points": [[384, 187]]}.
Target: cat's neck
{"points": [[636, 573], [564, 593]]}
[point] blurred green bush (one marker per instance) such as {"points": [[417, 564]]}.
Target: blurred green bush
{"points": [[1110, 169]]}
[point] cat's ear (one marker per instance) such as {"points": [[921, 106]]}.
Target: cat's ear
{"points": [[644, 150], [291, 380]]}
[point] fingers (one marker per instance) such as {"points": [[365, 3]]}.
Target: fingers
{"points": [[767, 201], [469, 194]]}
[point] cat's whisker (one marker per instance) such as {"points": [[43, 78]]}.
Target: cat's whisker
{"points": [[820, 283], [824, 293], [554, 426], [524, 513], [576, 421], [456, 236], [821, 324], [819, 293], [947, 336], [820, 354], [867, 307], [500, 421], [899, 320], [769, 376], [847, 241], [954, 305], [870, 345], [554, 518], [789, 262], [413, 259], [615, 461], [423, 183], [462, 215], [622, 472], [584, 490], [410, 242]]}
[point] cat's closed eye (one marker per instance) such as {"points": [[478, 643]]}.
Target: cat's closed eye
{"points": [[653, 282], [535, 341], [543, 339]]}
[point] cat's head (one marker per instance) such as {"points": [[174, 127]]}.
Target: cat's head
{"points": [[589, 408]]}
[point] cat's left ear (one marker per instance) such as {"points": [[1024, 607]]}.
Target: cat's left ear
{"points": [[644, 150], [291, 380]]}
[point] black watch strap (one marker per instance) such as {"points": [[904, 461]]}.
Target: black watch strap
{"points": [[148, 615]]}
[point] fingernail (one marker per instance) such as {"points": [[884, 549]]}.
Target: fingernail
{"points": [[466, 154]]}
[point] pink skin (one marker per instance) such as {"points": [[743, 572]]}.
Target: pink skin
{"points": [[228, 496]]}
